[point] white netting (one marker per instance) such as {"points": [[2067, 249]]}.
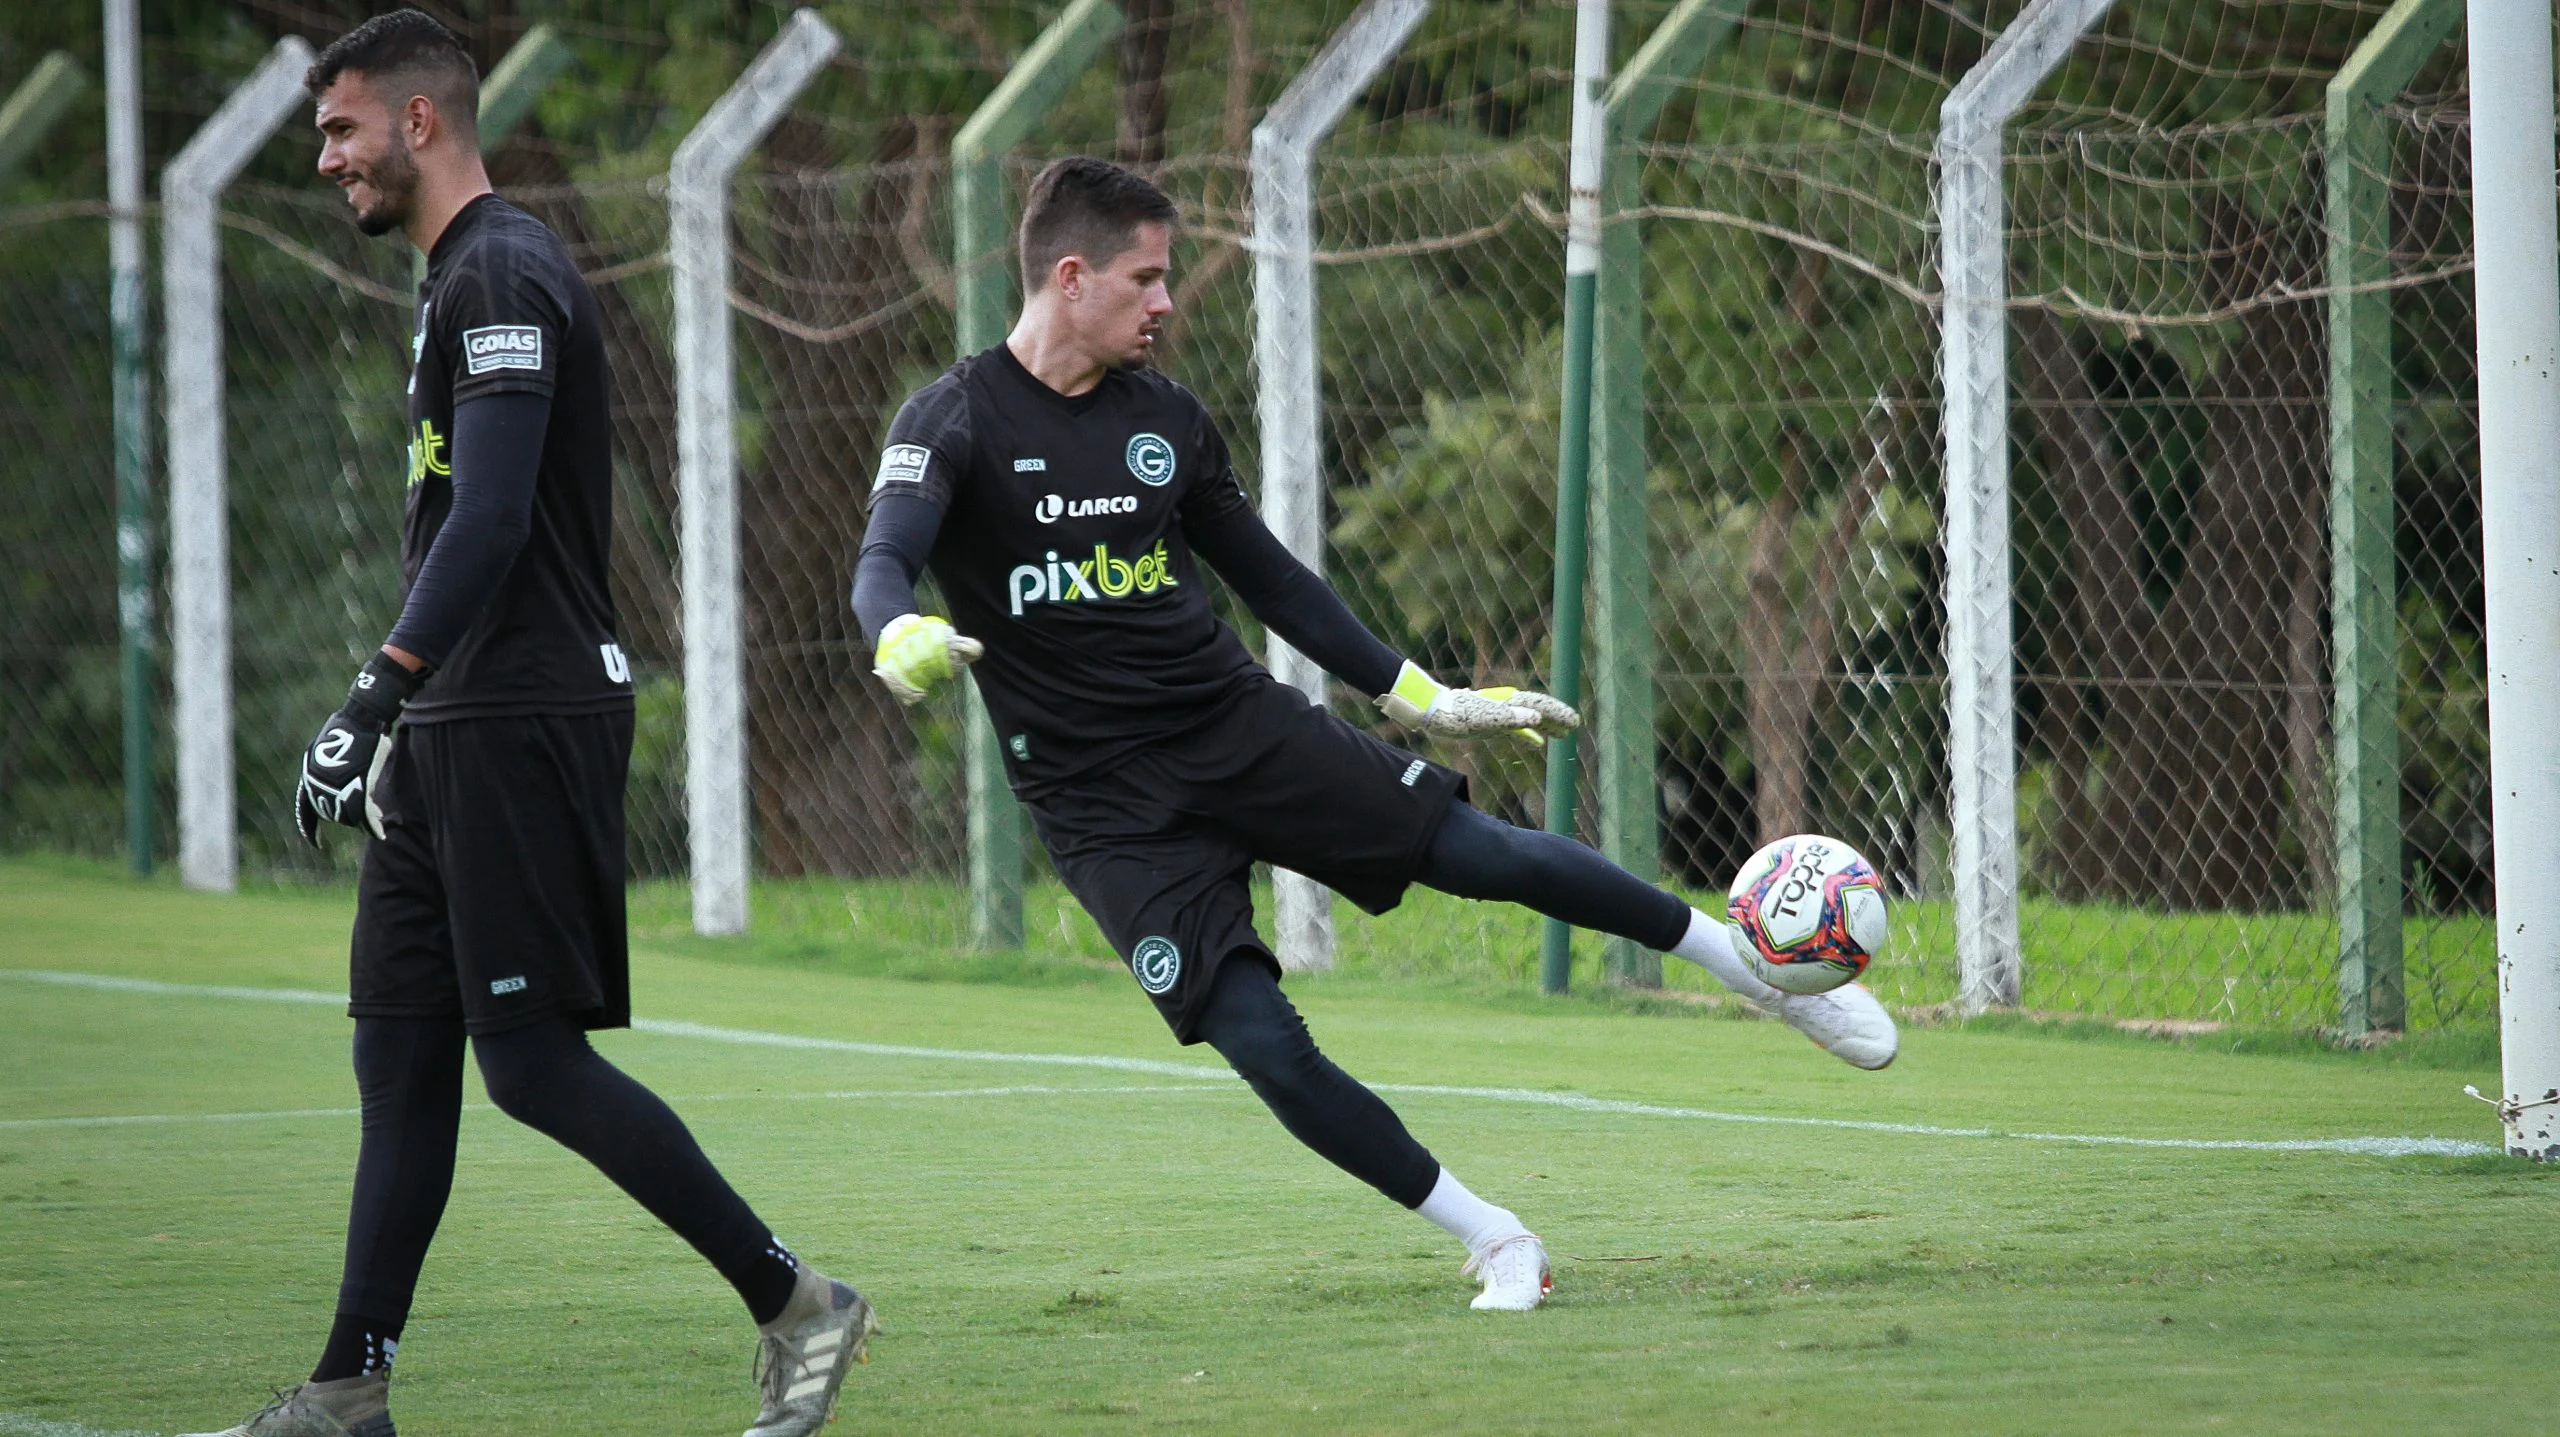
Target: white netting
{"points": [[2169, 356]]}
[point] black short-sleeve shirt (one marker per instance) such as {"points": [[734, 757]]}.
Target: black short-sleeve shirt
{"points": [[1062, 550], [505, 310]]}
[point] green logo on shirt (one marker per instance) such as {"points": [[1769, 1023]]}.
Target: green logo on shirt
{"points": [[1104, 576], [426, 454]]}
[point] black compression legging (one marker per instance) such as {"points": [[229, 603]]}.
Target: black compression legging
{"points": [[1253, 1026], [546, 1076], [1476, 855]]}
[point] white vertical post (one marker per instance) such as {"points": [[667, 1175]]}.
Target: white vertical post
{"points": [[128, 295], [2516, 236], [1291, 395], [1974, 360], [199, 538], [715, 679]]}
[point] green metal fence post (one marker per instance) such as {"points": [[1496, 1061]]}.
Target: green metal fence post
{"points": [[1573, 448], [981, 239], [33, 109], [1621, 572], [30, 114], [2364, 608], [536, 59]]}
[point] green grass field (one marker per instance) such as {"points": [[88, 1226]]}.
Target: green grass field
{"points": [[2252, 971], [1074, 1248]]}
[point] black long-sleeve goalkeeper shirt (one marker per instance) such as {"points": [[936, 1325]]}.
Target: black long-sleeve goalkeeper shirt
{"points": [[1065, 532]]}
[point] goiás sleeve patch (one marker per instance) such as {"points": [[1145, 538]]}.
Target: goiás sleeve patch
{"points": [[902, 464], [496, 347]]}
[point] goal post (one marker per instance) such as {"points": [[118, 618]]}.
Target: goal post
{"points": [[2517, 238]]}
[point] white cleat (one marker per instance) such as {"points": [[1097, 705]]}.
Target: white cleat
{"points": [[1847, 1022], [1514, 1273]]}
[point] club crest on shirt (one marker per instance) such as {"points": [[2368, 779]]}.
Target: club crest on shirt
{"points": [[901, 464], [1157, 963], [491, 348], [1151, 459]]}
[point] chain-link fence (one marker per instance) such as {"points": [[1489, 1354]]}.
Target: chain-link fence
{"points": [[61, 770], [2169, 368]]}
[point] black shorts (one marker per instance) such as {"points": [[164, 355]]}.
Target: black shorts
{"points": [[496, 897], [1160, 849]]}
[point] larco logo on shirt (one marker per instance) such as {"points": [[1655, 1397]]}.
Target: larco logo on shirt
{"points": [[501, 346], [1051, 508], [1151, 459]]}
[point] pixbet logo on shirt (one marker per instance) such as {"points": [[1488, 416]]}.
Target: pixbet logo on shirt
{"points": [[1061, 581], [1052, 508]]}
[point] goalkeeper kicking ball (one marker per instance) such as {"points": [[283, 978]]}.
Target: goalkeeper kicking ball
{"points": [[1811, 913]]}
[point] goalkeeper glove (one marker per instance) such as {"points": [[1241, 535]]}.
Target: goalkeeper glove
{"points": [[1421, 701], [342, 769], [918, 651]]}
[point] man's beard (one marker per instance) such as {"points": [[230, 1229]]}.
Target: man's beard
{"points": [[395, 179]]}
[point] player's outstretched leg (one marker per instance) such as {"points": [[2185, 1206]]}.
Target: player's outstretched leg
{"points": [[1258, 1031], [812, 1328], [1475, 855]]}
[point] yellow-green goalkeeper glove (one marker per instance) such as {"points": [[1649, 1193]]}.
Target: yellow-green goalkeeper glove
{"points": [[1421, 701], [918, 651]]}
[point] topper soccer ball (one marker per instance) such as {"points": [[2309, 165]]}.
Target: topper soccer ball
{"points": [[1811, 913]]}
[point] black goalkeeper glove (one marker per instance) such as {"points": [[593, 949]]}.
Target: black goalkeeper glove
{"points": [[342, 767]]}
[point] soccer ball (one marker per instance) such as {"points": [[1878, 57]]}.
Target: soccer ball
{"points": [[1811, 913]]}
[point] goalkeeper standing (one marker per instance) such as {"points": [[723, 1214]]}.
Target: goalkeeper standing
{"points": [[1065, 497], [490, 907]]}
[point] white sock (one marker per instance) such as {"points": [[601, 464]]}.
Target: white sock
{"points": [[1468, 1218], [1709, 944]]}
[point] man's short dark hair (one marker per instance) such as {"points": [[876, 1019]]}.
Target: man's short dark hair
{"points": [[1088, 208], [404, 53]]}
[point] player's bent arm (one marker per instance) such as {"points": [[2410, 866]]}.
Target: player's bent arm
{"points": [[911, 652], [1300, 607], [1289, 598], [497, 457], [895, 544], [497, 454]]}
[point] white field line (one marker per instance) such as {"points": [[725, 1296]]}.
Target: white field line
{"points": [[1013, 1090], [2356, 1147], [19, 1424]]}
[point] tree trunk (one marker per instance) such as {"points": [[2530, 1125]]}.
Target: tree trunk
{"points": [[1144, 41], [831, 765], [1776, 698], [2192, 806], [2109, 619]]}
